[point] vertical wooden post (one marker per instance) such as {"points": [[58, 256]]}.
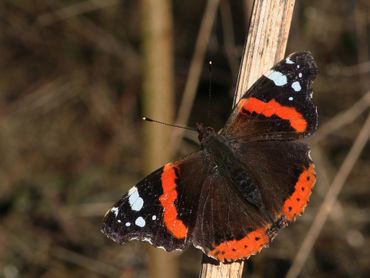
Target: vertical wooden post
{"points": [[158, 102], [266, 44]]}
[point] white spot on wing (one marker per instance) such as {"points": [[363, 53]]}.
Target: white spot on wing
{"points": [[288, 61], [296, 86], [200, 247], [300, 74], [277, 77], [119, 221], [140, 222], [147, 240], [132, 190], [290, 98], [127, 224], [115, 211], [309, 155], [154, 217], [134, 199]]}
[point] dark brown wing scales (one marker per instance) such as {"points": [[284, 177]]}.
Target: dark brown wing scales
{"points": [[160, 209], [285, 175], [279, 105], [227, 226], [138, 216]]}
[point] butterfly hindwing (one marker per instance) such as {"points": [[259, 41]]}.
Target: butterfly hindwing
{"points": [[279, 105], [285, 175], [228, 228], [160, 209]]}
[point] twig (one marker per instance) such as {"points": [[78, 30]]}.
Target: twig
{"points": [[267, 39], [85, 210], [349, 71], [229, 38], [108, 43], [60, 253], [266, 43], [74, 10], [342, 119], [194, 71], [85, 262], [330, 200]]}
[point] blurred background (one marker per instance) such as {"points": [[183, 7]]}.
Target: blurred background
{"points": [[76, 77]]}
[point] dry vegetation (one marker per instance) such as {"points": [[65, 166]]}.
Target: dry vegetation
{"points": [[70, 131]]}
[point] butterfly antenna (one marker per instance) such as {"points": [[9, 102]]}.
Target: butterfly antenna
{"points": [[209, 90], [167, 124]]}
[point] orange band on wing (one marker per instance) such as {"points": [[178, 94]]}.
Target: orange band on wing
{"points": [[271, 108], [167, 199], [296, 203], [233, 250]]}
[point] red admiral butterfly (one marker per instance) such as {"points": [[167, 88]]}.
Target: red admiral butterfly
{"points": [[249, 180]]}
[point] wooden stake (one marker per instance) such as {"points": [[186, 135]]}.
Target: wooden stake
{"points": [[266, 44]]}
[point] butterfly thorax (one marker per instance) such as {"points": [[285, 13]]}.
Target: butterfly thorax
{"points": [[223, 159]]}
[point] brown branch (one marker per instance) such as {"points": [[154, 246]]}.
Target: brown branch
{"points": [[196, 66], [73, 10], [343, 118], [26, 250], [266, 43], [267, 40], [330, 200], [78, 259], [229, 38]]}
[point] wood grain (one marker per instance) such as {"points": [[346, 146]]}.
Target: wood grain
{"points": [[266, 42], [265, 45]]}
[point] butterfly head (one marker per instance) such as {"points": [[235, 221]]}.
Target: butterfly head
{"points": [[204, 132]]}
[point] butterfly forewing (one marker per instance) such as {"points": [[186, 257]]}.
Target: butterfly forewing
{"points": [[279, 105], [285, 175], [160, 209]]}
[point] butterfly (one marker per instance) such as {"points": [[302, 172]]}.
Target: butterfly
{"points": [[247, 181]]}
